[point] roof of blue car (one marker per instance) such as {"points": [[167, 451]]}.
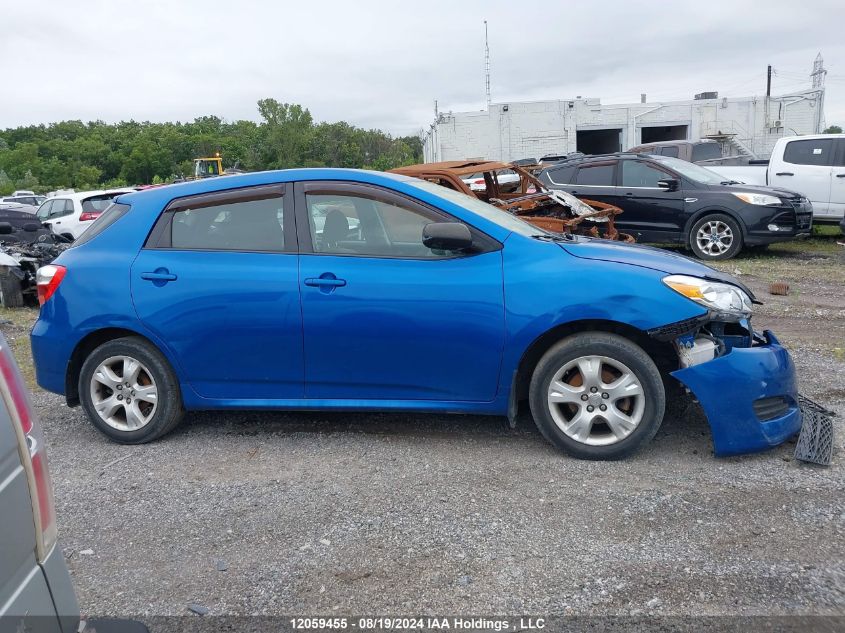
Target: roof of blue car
{"points": [[221, 183]]}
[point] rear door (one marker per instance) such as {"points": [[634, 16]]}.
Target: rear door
{"points": [[807, 166], [596, 181], [217, 283], [385, 317], [650, 212]]}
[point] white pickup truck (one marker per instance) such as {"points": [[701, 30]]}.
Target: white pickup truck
{"points": [[811, 165]]}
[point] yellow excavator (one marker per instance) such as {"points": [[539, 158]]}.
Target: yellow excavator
{"points": [[208, 167]]}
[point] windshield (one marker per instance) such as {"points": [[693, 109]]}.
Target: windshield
{"points": [[487, 211], [693, 172]]}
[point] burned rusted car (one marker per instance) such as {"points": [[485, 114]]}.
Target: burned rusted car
{"points": [[515, 188]]}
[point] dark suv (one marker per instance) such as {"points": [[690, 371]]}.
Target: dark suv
{"points": [[670, 201]]}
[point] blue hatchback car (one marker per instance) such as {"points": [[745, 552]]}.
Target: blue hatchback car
{"points": [[341, 289]]}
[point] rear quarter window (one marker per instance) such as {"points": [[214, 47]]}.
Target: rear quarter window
{"points": [[111, 215]]}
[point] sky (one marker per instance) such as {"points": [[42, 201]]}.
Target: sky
{"points": [[383, 64]]}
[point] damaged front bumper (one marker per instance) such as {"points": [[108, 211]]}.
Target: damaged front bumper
{"points": [[749, 394]]}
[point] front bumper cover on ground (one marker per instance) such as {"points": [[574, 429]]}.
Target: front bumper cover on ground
{"points": [[727, 388]]}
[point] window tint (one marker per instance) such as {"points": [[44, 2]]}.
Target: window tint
{"points": [[637, 173], [355, 224], [106, 219], [669, 150], [706, 151], [598, 175], [254, 225], [809, 152], [60, 208], [561, 175], [97, 204], [44, 210]]}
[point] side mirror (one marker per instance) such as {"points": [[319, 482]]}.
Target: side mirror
{"points": [[447, 236], [6, 228], [32, 227], [669, 184]]}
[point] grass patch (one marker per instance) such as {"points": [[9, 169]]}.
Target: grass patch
{"points": [[15, 323]]}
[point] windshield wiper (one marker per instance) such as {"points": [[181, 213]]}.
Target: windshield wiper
{"points": [[730, 182]]}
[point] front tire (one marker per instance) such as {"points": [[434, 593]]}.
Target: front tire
{"points": [[129, 391], [597, 395], [715, 237]]}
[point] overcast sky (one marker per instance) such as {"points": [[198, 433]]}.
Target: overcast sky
{"points": [[382, 64]]}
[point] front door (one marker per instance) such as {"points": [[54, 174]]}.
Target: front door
{"points": [[650, 212], [386, 318], [217, 283]]}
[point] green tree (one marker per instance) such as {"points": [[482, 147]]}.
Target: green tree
{"points": [[833, 129]]}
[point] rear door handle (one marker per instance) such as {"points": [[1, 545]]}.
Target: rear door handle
{"points": [[159, 275], [840, 175], [323, 281], [784, 173]]}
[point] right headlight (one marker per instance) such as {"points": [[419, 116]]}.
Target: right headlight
{"points": [[727, 301]]}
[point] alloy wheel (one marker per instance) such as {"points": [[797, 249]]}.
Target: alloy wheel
{"points": [[596, 400], [714, 237], [124, 393]]}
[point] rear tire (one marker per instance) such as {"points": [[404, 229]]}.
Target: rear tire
{"points": [[11, 293], [715, 237], [129, 391], [585, 372]]}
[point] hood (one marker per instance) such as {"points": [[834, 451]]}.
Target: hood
{"points": [[778, 191], [649, 257]]}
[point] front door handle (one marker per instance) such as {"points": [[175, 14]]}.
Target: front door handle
{"points": [[162, 274], [840, 175], [784, 173], [325, 282]]}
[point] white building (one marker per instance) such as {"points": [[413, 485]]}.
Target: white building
{"points": [[511, 131]]}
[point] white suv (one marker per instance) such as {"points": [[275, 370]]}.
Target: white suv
{"points": [[71, 214]]}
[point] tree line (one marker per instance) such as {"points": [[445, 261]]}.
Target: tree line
{"points": [[94, 155]]}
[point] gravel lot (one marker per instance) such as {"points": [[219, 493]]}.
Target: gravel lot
{"points": [[247, 513]]}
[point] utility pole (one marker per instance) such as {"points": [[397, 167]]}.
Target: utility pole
{"points": [[769, 81], [487, 64]]}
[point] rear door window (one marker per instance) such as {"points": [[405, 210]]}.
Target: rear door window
{"points": [[254, 225], [706, 151], [817, 152], [669, 150], [596, 175]]}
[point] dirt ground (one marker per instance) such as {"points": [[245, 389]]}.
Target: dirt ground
{"points": [[314, 513]]}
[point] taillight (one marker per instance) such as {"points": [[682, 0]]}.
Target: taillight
{"points": [[87, 216], [47, 280], [33, 451], [480, 181]]}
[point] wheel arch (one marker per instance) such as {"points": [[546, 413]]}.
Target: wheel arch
{"points": [[662, 353], [88, 344], [695, 217]]}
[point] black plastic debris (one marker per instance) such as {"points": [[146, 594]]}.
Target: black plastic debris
{"points": [[815, 443]]}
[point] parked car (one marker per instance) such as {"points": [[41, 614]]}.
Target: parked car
{"points": [[17, 206], [813, 165], [69, 215], [670, 201], [29, 200], [703, 152], [556, 158], [36, 592], [219, 294], [507, 179]]}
